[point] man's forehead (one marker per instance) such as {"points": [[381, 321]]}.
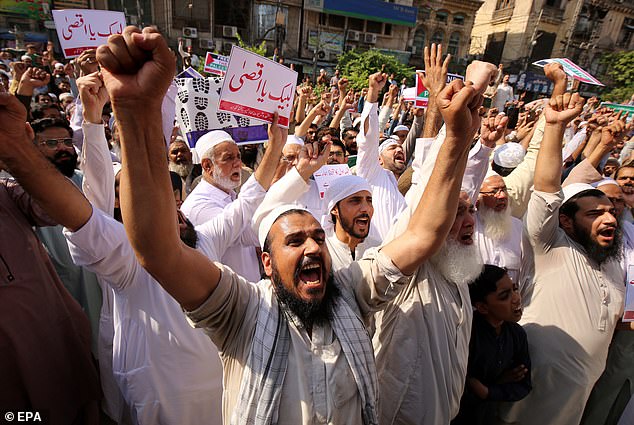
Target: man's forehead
{"points": [[588, 203], [494, 181], [359, 194], [291, 149], [54, 132], [179, 145], [295, 222], [611, 190]]}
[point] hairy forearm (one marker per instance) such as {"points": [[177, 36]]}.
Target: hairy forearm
{"points": [[433, 119], [300, 112], [266, 170], [548, 167], [56, 194]]}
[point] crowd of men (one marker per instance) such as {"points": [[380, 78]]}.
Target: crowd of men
{"points": [[471, 269]]}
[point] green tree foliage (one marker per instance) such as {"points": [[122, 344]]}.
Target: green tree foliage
{"points": [[358, 65], [619, 76], [259, 49]]}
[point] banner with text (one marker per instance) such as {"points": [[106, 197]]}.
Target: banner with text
{"points": [[257, 87], [572, 69], [216, 64], [83, 29], [328, 173]]}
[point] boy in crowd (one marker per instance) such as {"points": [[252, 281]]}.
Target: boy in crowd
{"points": [[499, 363]]}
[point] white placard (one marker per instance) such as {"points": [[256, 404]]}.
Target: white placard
{"points": [[326, 174], [83, 29], [257, 87]]}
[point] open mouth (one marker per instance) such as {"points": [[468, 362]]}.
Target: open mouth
{"points": [[310, 274], [517, 311], [467, 238], [607, 233]]}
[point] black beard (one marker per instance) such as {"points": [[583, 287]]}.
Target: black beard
{"points": [[309, 313], [348, 226], [189, 235], [598, 253], [67, 168]]}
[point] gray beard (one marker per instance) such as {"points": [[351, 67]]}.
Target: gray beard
{"points": [[182, 170], [458, 263], [496, 225], [224, 182]]}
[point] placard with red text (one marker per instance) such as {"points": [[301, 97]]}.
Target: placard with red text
{"points": [[83, 29]]}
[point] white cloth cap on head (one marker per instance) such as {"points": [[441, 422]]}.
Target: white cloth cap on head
{"points": [[264, 220], [400, 128], [294, 140], [509, 155], [25, 58], [575, 188], [211, 139], [490, 173], [605, 181], [341, 188], [59, 65], [386, 144], [66, 95]]}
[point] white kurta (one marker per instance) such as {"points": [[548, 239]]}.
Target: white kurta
{"points": [[206, 202], [569, 322], [340, 251], [386, 198], [421, 345]]}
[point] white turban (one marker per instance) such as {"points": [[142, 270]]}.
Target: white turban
{"points": [[400, 127], [604, 182], [386, 144], [339, 189], [263, 220], [211, 139], [294, 140], [509, 155]]}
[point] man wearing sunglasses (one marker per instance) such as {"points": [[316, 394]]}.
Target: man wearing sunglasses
{"points": [[54, 138]]}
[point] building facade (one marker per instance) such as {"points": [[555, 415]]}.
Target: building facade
{"points": [[518, 33]]}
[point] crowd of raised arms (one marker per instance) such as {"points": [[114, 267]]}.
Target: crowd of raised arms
{"points": [[470, 269]]}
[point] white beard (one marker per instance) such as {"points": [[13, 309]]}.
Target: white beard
{"points": [[496, 225], [224, 182], [182, 170], [458, 263]]}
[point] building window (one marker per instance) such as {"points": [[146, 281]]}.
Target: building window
{"points": [[458, 19], [442, 16], [424, 13], [374, 27], [323, 19], [437, 37], [387, 29], [504, 4], [419, 40], [625, 35], [454, 44], [195, 16], [356, 24], [265, 20], [337, 21], [553, 3]]}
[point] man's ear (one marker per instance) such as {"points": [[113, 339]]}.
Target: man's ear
{"points": [[380, 160], [266, 263], [207, 165], [566, 223], [335, 211], [29, 131], [482, 308]]}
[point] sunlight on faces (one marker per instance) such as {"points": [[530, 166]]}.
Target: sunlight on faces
{"points": [[354, 214], [459, 260], [225, 167], [504, 304], [299, 265], [493, 209], [290, 155], [615, 195], [393, 159], [63, 157], [625, 179]]}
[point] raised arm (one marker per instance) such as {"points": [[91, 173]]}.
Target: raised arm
{"points": [[433, 217], [368, 165], [54, 193], [320, 110], [137, 69], [434, 80], [560, 111]]}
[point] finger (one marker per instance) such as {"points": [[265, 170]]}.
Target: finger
{"points": [[309, 150], [439, 56], [152, 41], [426, 58], [445, 64], [121, 53], [465, 95], [137, 55], [107, 60]]}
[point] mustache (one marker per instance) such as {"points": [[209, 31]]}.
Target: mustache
{"points": [[364, 215], [63, 154]]}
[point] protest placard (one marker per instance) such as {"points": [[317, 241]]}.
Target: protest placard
{"points": [[628, 312], [189, 73], [571, 69], [326, 174], [422, 94], [257, 87], [197, 113], [83, 29], [618, 107], [216, 64]]}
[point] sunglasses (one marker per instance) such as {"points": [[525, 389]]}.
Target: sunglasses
{"points": [[54, 143]]}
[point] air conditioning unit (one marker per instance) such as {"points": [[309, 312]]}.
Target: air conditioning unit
{"points": [[190, 32], [369, 38], [206, 44], [353, 35], [226, 47], [229, 32]]}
